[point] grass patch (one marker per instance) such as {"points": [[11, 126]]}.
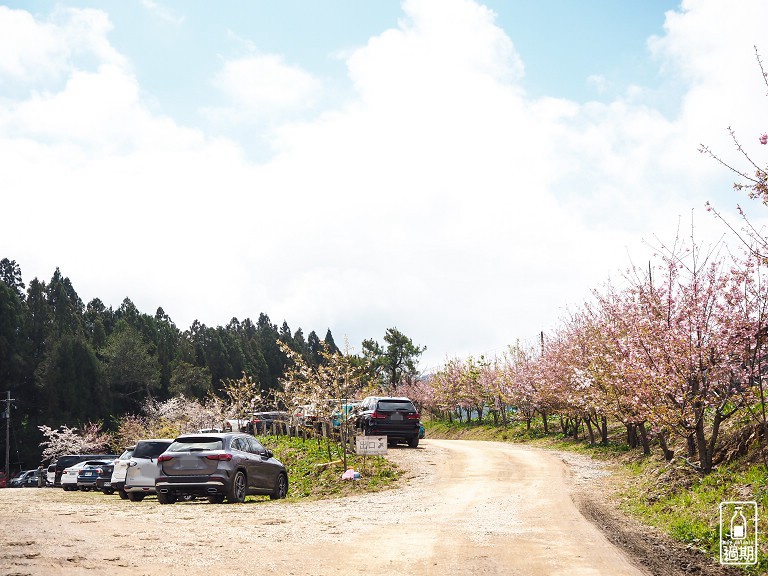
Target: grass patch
{"points": [[678, 500], [307, 480]]}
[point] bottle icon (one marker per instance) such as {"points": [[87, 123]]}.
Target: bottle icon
{"points": [[738, 525]]}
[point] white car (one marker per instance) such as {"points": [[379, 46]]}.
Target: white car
{"points": [[236, 425], [117, 482], [143, 468], [69, 475], [50, 475]]}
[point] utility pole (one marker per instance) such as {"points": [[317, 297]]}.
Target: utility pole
{"points": [[7, 414]]}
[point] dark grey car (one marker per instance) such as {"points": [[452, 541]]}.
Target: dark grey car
{"points": [[227, 465]]}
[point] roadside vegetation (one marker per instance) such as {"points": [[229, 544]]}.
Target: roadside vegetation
{"points": [[311, 475]]}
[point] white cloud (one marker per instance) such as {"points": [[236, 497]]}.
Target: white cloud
{"points": [[264, 83], [440, 198], [163, 12]]}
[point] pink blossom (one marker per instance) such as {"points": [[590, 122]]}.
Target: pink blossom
{"points": [[764, 138]]}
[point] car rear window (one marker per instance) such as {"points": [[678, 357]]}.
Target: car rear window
{"points": [[150, 449], [196, 444], [392, 405], [67, 461]]}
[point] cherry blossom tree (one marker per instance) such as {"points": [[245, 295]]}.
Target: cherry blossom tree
{"points": [[65, 440]]}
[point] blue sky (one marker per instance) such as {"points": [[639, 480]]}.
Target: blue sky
{"points": [[177, 47], [464, 171]]}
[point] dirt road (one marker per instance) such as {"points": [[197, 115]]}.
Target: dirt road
{"points": [[465, 508]]}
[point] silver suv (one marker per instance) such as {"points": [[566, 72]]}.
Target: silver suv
{"points": [[143, 468]]}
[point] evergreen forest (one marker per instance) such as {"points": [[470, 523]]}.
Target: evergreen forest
{"points": [[66, 362]]}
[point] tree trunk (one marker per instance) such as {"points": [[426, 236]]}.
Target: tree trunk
{"points": [[707, 449], [591, 432], [631, 435], [644, 439], [668, 454], [604, 430], [544, 421], [691, 441], [503, 413]]}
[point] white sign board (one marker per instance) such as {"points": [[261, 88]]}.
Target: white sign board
{"points": [[370, 445]]}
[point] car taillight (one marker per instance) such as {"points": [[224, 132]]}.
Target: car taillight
{"points": [[99, 470], [413, 416], [164, 458], [226, 457], [378, 415]]}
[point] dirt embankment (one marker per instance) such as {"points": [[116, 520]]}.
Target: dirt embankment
{"points": [[463, 507]]}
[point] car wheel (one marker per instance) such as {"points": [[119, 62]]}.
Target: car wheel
{"points": [[216, 498], [123, 494], [281, 488], [108, 491], [167, 498], [135, 496], [413, 442], [237, 490]]}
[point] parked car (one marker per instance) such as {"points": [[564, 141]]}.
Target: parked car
{"points": [[50, 476], [25, 478], [306, 415], [143, 468], [88, 474], [395, 418], [220, 466], [3, 480], [68, 460], [118, 473], [344, 413], [104, 479], [261, 422], [69, 475], [236, 425]]}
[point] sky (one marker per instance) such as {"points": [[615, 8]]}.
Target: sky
{"points": [[466, 172]]}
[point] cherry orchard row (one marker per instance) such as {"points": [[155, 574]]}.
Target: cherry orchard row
{"points": [[675, 352]]}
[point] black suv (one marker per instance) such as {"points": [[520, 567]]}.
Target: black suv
{"points": [[228, 465], [395, 418]]}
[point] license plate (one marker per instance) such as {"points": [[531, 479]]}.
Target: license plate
{"points": [[107, 484], [396, 416]]}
